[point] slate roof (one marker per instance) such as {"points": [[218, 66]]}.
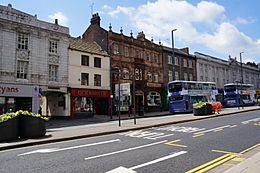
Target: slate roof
{"points": [[88, 47]]}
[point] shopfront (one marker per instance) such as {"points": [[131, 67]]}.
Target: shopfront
{"points": [[17, 97], [87, 102]]}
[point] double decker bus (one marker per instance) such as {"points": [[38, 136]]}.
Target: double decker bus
{"points": [[183, 94], [237, 94]]}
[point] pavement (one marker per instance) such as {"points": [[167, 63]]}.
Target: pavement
{"points": [[68, 129]]}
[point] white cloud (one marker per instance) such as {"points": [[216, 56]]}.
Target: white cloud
{"points": [[202, 24], [62, 18], [240, 20]]}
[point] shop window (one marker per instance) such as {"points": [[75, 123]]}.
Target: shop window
{"points": [[153, 99], [22, 69], [53, 46], [97, 80], [83, 104], [85, 60], [53, 73], [97, 62], [22, 41], [85, 79]]}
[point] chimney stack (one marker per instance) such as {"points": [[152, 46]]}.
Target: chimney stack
{"points": [[95, 20]]}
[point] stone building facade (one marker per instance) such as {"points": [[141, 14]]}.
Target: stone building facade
{"points": [[136, 64], [33, 63], [221, 71]]}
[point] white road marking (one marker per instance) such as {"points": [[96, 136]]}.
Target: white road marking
{"points": [[125, 150], [179, 129], [50, 150], [130, 170], [217, 128], [147, 134], [252, 120]]}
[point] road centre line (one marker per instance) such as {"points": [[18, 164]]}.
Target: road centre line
{"points": [[159, 160], [218, 130], [252, 120], [232, 126], [211, 129], [50, 150], [125, 150], [131, 170]]}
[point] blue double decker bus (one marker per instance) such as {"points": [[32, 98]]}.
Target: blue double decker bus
{"points": [[237, 94], [183, 94]]}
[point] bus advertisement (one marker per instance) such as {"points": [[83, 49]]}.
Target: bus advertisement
{"points": [[183, 94], [237, 94]]}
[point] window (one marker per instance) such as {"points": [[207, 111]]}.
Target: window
{"points": [[176, 75], [186, 76], [138, 74], [85, 79], [53, 46], [169, 59], [153, 99], [148, 57], [22, 69], [22, 41], [190, 77], [156, 77], [125, 74], [97, 80], [190, 63], [85, 60], [170, 75], [126, 51], [176, 60], [84, 104], [137, 53], [116, 49], [156, 59], [97, 62], [53, 73], [149, 77], [184, 63]]}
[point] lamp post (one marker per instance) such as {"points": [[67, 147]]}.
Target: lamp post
{"points": [[242, 79], [173, 59]]}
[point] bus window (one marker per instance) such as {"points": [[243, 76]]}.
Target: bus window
{"points": [[175, 87], [176, 98]]}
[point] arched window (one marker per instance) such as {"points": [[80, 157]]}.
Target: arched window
{"points": [[153, 98], [125, 74]]}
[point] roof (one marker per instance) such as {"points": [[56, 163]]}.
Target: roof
{"points": [[88, 47]]}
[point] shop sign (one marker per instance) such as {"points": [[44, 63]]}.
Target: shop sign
{"points": [[124, 89], [90, 93], [11, 90]]}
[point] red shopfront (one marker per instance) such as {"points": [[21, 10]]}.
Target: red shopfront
{"points": [[87, 102]]}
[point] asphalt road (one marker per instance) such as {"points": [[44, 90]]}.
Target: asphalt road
{"points": [[174, 148]]}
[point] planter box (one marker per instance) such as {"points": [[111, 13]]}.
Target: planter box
{"points": [[31, 127], [9, 130], [200, 111]]}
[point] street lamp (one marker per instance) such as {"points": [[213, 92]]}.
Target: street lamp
{"points": [[173, 54], [242, 79]]}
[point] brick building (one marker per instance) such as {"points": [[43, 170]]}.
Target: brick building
{"points": [[136, 65]]}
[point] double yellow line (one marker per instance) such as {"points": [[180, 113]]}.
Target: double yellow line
{"points": [[213, 163], [218, 161]]}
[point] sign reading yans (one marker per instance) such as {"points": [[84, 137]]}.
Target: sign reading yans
{"points": [[16, 90]]}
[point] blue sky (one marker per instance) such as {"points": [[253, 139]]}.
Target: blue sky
{"points": [[218, 28]]}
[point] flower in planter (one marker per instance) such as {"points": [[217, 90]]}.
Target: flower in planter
{"points": [[7, 116], [27, 113]]}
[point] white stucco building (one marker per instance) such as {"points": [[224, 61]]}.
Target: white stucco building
{"points": [[33, 57], [214, 69], [89, 78]]}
